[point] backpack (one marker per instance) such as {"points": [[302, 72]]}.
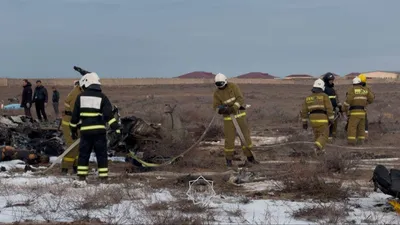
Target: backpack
{"points": [[387, 181]]}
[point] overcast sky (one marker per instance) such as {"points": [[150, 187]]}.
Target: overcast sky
{"points": [[167, 38]]}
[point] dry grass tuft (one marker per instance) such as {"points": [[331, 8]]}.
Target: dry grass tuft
{"points": [[307, 181], [329, 213]]}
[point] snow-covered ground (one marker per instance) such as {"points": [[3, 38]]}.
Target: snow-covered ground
{"points": [[28, 197]]}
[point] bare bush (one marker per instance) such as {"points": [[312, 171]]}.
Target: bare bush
{"points": [[337, 162], [186, 206], [332, 213], [307, 181]]}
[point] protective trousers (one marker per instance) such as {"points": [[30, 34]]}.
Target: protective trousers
{"points": [[230, 134], [356, 127], [332, 130], [366, 125], [88, 142], [321, 132], [69, 160]]}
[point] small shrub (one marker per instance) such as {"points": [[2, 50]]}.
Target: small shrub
{"points": [[331, 213], [307, 181]]}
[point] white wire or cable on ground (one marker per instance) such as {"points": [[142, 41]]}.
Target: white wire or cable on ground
{"points": [[201, 191], [331, 145]]}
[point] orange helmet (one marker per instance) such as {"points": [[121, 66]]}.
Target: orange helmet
{"points": [[363, 78]]}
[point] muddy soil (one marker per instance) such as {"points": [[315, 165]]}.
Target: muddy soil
{"points": [[274, 112]]}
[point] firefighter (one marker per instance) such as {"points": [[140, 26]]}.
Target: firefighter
{"points": [[357, 98], [228, 99], [70, 159], [328, 79], [363, 79], [317, 108], [94, 110]]}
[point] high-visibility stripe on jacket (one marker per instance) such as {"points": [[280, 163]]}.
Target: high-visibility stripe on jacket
{"points": [[229, 96], [94, 110], [317, 108], [357, 97]]}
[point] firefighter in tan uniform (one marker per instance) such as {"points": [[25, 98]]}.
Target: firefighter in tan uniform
{"points": [[318, 109], [363, 79], [70, 160], [357, 98], [228, 99]]}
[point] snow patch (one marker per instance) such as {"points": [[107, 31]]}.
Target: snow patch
{"points": [[256, 140]]}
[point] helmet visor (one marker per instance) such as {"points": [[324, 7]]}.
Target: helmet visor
{"points": [[219, 83]]}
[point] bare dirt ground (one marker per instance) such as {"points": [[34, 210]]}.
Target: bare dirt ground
{"points": [[274, 112]]}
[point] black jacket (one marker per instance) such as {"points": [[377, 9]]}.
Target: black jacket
{"points": [[26, 95], [94, 110], [40, 94], [56, 96], [331, 92]]}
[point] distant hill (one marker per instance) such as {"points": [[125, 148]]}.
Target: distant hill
{"points": [[352, 75], [299, 76], [256, 75], [198, 75]]}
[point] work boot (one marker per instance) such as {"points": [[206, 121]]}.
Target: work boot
{"points": [[252, 160], [64, 171], [229, 163], [82, 178]]}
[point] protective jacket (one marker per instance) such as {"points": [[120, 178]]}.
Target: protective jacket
{"points": [[94, 110], [26, 94], [331, 92], [357, 98], [317, 108], [230, 96], [69, 102]]}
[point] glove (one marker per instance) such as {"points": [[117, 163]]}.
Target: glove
{"points": [[45, 104], [331, 122], [74, 135], [305, 126], [223, 110], [28, 105]]}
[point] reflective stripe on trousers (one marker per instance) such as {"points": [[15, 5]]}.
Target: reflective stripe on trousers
{"points": [[236, 116], [83, 170]]}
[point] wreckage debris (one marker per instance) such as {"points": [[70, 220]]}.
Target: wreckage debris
{"points": [[23, 136]]}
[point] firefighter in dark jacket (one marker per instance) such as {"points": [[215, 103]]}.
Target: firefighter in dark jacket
{"points": [[94, 110], [40, 98], [328, 79], [26, 101]]}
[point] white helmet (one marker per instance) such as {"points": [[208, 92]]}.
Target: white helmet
{"points": [[220, 80], [89, 79], [319, 84], [356, 80]]}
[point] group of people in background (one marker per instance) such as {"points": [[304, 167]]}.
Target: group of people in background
{"points": [[39, 97]]}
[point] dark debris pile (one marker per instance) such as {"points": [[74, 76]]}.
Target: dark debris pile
{"points": [[25, 133]]}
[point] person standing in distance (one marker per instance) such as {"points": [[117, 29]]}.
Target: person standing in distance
{"points": [[26, 101], [40, 98]]}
